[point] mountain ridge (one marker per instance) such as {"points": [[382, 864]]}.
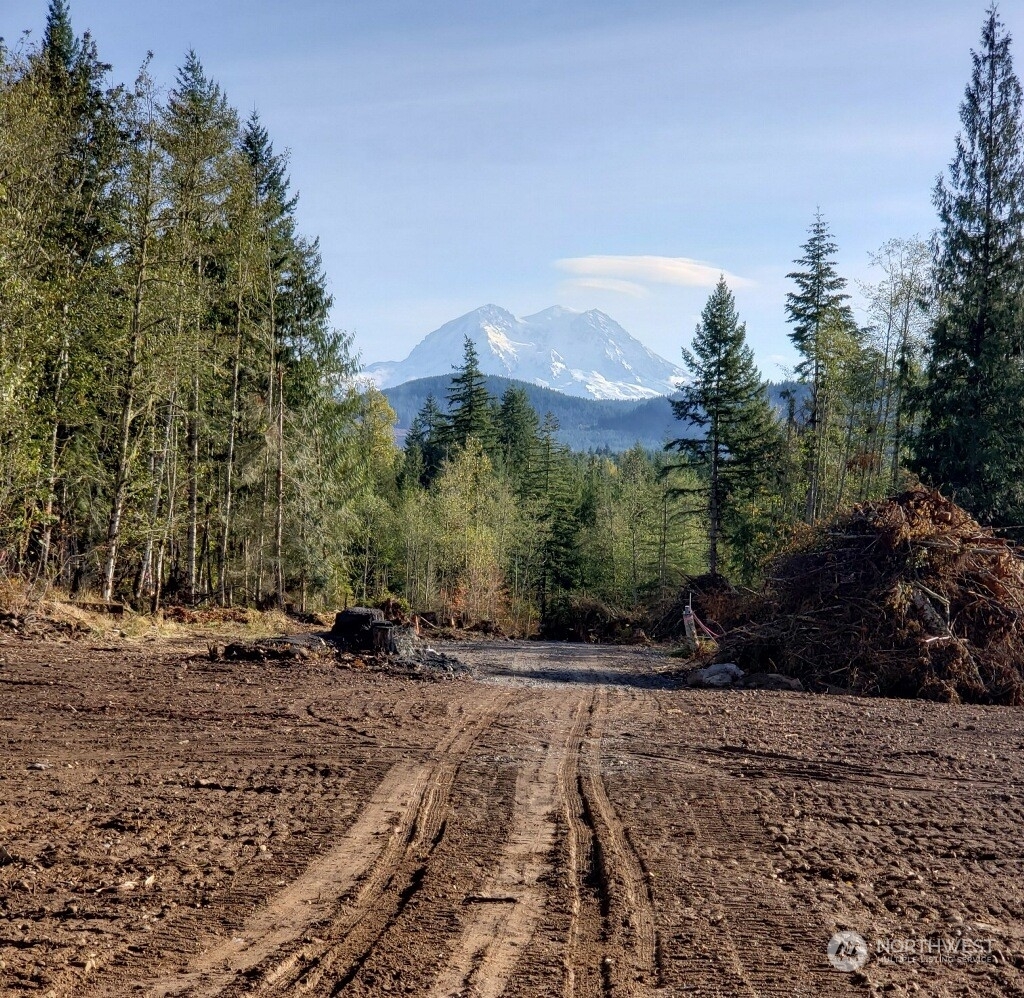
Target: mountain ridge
{"points": [[585, 424], [583, 354]]}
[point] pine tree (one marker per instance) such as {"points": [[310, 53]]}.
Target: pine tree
{"points": [[972, 437], [88, 110], [825, 335], [734, 436], [469, 402], [80, 233]]}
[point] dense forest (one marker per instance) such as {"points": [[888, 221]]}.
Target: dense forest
{"points": [[179, 422]]}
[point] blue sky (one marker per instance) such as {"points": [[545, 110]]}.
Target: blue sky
{"points": [[586, 153]]}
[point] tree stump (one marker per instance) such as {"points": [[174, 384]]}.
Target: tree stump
{"points": [[382, 638], [353, 628]]}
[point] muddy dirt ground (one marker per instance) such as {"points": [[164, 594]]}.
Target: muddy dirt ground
{"points": [[565, 823]]}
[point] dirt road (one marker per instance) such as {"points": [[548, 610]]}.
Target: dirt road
{"points": [[565, 824]]}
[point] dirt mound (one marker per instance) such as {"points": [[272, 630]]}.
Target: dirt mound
{"points": [[907, 596], [38, 611], [287, 648]]}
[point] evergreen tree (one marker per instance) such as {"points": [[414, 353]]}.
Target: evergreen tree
{"points": [[84, 140], [61, 50], [562, 510], [426, 444], [469, 402], [734, 437], [517, 434], [825, 335], [972, 437], [270, 179], [198, 136]]}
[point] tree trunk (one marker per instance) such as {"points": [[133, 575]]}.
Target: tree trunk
{"points": [[127, 414], [222, 561], [279, 531], [51, 476]]}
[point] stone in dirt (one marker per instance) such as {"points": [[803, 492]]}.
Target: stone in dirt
{"points": [[715, 676]]}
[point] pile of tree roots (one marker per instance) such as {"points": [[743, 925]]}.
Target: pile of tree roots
{"points": [[906, 596]]}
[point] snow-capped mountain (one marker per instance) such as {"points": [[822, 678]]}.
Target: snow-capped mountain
{"points": [[578, 353]]}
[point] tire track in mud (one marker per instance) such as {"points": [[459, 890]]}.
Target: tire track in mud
{"points": [[579, 975], [599, 927], [630, 963], [349, 896], [511, 903]]}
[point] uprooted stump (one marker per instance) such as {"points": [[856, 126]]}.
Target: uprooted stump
{"points": [[354, 629], [907, 596]]}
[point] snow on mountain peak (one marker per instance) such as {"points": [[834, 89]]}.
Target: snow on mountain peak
{"points": [[578, 353]]}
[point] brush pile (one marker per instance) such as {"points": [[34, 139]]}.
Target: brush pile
{"points": [[906, 596], [586, 620], [712, 597]]}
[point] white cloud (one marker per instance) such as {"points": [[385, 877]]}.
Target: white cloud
{"points": [[631, 270], [607, 284]]}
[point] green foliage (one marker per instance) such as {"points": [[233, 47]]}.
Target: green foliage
{"points": [[733, 438], [179, 421], [517, 435], [829, 343], [972, 437], [469, 402], [426, 444], [176, 417]]}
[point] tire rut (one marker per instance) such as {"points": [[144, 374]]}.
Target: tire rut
{"points": [[511, 903], [328, 920], [580, 976], [630, 965]]}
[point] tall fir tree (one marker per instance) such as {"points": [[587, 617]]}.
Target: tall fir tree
{"points": [[198, 135], [517, 434], [469, 402], [80, 233], [825, 335], [426, 445], [564, 506], [972, 434], [733, 437]]}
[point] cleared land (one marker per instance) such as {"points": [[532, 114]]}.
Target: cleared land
{"points": [[567, 823]]}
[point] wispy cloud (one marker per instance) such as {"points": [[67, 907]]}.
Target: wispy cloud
{"points": [[631, 274], [608, 284]]}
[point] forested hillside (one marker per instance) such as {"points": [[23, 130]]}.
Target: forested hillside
{"points": [[178, 420], [605, 425]]}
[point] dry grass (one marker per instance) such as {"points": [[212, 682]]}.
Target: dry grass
{"points": [[41, 608]]}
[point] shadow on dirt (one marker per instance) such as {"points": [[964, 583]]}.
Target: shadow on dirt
{"points": [[577, 677]]}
